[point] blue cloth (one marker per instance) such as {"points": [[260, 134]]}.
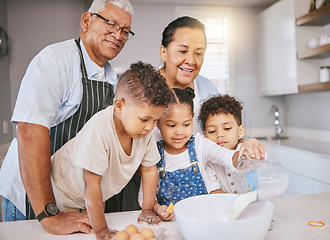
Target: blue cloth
{"points": [[11, 212], [180, 184], [206, 90], [252, 180]]}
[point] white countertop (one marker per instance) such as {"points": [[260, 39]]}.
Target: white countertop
{"points": [[291, 217], [314, 146]]}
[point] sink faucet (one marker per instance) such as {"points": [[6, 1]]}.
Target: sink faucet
{"points": [[278, 129]]}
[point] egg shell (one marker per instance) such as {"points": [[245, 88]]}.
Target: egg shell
{"points": [[131, 229], [147, 233], [121, 235], [137, 236]]}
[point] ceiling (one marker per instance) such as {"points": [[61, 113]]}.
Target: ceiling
{"points": [[233, 3]]}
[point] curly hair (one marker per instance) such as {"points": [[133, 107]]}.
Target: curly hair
{"points": [[142, 82], [184, 96], [221, 104]]}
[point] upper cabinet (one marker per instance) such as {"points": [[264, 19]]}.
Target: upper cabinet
{"points": [[286, 64]]}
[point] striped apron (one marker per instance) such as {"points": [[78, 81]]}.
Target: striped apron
{"points": [[97, 95]]}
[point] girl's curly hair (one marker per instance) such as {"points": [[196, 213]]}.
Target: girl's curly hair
{"points": [[221, 104]]}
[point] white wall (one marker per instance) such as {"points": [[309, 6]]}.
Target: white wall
{"points": [[148, 24], [257, 110], [34, 25]]}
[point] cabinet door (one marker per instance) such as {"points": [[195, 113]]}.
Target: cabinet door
{"points": [[277, 71]]}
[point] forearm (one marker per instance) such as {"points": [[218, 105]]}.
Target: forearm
{"points": [[149, 186], [156, 206], [35, 164], [94, 203]]}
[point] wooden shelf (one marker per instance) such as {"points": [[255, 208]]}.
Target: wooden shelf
{"points": [[314, 87], [319, 17], [318, 52]]}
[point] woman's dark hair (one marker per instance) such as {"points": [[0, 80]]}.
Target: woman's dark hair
{"points": [[221, 104], [144, 83], [180, 22], [185, 97]]}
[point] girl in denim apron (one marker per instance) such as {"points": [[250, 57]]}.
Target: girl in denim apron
{"points": [[183, 156], [181, 174]]}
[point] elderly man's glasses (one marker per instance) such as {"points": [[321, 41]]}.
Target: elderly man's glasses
{"points": [[112, 27]]}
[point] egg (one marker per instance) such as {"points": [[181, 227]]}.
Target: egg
{"points": [[121, 235], [137, 236], [147, 233], [131, 229]]}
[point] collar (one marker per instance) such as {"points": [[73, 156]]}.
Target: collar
{"points": [[91, 69]]}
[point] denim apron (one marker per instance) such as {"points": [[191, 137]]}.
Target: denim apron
{"points": [[182, 183], [97, 95]]}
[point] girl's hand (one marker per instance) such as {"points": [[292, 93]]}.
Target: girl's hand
{"points": [[252, 149], [166, 216], [149, 217], [105, 233]]}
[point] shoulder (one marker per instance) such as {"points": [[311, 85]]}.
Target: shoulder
{"points": [[204, 82], [206, 87], [64, 51]]}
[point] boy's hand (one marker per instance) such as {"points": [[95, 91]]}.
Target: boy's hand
{"points": [[105, 234], [149, 217], [163, 214], [252, 149]]}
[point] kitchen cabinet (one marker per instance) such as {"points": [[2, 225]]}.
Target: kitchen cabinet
{"points": [[286, 65]]}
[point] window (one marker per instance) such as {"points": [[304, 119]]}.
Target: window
{"points": [[216, 66]]}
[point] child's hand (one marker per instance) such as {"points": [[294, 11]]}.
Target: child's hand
{"points": [[149, 217], [252, 149], [166, 216], [105, 234]]}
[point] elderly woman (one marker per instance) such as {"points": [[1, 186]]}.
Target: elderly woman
{"points": [[182, 51]]}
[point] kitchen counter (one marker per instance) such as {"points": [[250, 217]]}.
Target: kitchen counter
{"points": [[291, 217], [320, 148]]}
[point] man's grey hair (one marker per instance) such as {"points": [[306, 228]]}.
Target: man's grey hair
{"points": [[99, 5]]}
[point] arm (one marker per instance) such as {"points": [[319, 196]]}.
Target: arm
{"points": [[149, 186], [253, 149], [161, 211], [94, 205], [35, 169]]}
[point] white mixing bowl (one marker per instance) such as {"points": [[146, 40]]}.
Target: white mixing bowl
{"points": [[206, 217]]}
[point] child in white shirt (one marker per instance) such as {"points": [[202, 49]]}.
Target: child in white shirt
{"points": [[222, 121], [114, 143]]}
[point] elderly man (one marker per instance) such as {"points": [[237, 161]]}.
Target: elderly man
{"points": [[64, 85]]}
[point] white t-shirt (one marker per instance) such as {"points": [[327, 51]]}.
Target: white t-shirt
{"points": [[207, 151], [97, 149]]}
